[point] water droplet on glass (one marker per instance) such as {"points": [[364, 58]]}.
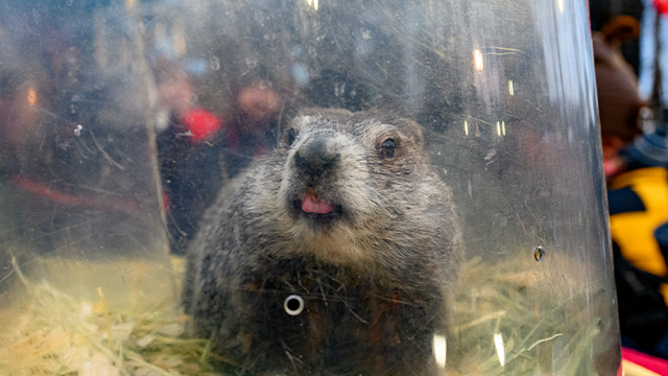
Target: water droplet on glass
{"points": [[300, 74], [296, 50], [251, 63], [214, 63]]}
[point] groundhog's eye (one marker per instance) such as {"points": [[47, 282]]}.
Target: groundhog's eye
{"points": [[388, 149], [292, 135]]}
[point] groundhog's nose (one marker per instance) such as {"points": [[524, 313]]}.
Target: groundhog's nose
{"points": [[314, 159]]}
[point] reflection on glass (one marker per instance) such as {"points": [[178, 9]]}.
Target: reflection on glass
{"points": [[498, 343], [477, 56], [440, 349]]}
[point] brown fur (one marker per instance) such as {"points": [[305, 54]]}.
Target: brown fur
{"points": [[376, 273]]}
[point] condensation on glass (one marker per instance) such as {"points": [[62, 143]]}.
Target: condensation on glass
{"points": [[122, 120]]}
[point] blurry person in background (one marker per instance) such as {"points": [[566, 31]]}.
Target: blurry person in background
{"points": [[24, 90], [199, 151], [73, 141], [617, 91], [253, 127], [188, 153], [602, 11], [637, 182], [24, 95]]}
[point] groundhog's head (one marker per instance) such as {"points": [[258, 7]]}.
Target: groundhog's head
{"points": [[352, 184]]}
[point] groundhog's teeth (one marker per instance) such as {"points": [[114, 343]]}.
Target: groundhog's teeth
{"points": [[316, 206]]}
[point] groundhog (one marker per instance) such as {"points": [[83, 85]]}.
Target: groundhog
{"points": [[335, 255]]}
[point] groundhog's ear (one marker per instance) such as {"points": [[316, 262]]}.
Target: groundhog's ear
{"points": [[410, 129]]}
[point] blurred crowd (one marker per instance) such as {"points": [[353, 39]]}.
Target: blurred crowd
{"points": [[77, 167], [629, 39]]}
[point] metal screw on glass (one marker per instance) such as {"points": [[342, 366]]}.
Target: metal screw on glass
{"points": [[539, 253], [293, 305]]}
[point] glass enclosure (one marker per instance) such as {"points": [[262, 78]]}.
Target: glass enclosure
{"points": [[122, 121]]}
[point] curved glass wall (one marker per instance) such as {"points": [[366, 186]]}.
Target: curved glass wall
{"points": [[122, 122]]}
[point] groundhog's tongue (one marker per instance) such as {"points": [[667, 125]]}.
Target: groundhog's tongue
{"points": [[309, 205]]}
